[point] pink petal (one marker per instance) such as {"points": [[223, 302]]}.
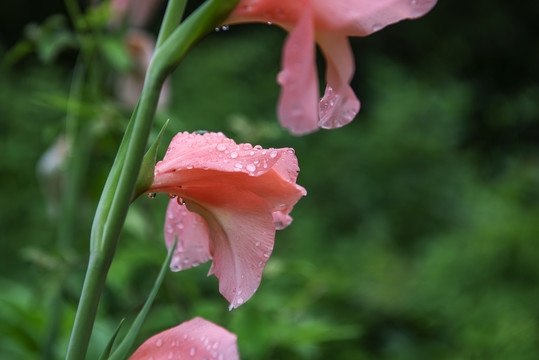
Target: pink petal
{"points": [[192, 233], [137, 12], [194, 339], [363, 17], [242, 235], [339, 105], [214, 151], [299, 80], [204, 160], [273, 11], [281, 219]]}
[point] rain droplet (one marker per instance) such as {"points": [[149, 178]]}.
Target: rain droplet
{"points": [[376, 27], [251, 167], [257, 243], [239, 166], [273, 154], [170, 355], [269, 23], [224, 27], [221, 147], [234, 155], [159, 342]]}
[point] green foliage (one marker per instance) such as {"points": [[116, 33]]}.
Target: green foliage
{"points": [[418, 236]]}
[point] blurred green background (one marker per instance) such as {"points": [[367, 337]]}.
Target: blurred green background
{"points": [[419, 235]]}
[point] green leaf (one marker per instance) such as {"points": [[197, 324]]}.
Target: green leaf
{"points": [[106, 353], [125, 346], [146, 174]]}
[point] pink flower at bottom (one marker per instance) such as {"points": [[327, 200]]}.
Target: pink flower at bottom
{"points": [[328, 23], [230, 199], [194, 339]]}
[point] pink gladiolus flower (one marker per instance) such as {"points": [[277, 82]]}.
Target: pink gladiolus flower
{"points": [[235, 197], [128, 87], [328, 23], [194, 339], [135, 12]]}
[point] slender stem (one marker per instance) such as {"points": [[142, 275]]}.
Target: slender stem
{"points": [[93, 284], [120, 185]]}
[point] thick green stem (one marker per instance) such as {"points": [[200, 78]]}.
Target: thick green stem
{"points": [[120, 185]]}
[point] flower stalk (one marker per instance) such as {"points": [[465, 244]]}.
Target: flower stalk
{"points": [[120, 185]]}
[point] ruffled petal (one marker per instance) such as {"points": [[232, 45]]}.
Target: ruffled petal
{"points": [[363, 17], [242, 235], [195, 160], [192, 234], [299, 79], [214, 151], [196, 339], [339, 105], [276, 12]]}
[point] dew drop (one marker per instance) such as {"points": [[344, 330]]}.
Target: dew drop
{"points": [[234, 155], [257, 243], [251, 167], [224, 27], [239, 166], [170, 355], [159, 342], [239, 301], [269, 23], [273, 154], [192, 352], [376, 27], [221, 147]]}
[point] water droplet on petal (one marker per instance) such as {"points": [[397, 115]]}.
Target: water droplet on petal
{"points": [[221, 147], [192, 352], [159, 342], [224, 27], [251, 167], [273, 154], [151, 195], [234, 155]]}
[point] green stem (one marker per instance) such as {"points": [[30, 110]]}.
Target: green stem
{"points": [[120, 185], [173, 16]]}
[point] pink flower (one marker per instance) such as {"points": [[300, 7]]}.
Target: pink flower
{"points": [[128, 87], [235, 197], [194, 339], [328, 23], [135, 12]]}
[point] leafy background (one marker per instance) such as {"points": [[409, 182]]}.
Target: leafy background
{"points": [[418, 238]]}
